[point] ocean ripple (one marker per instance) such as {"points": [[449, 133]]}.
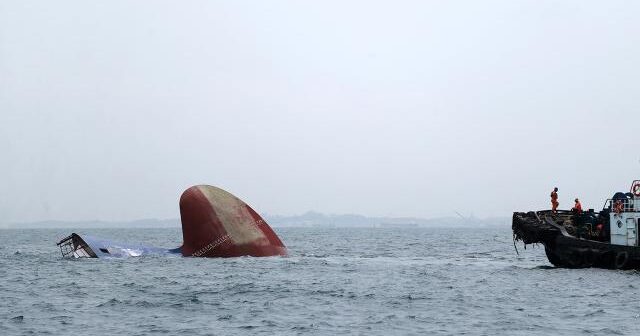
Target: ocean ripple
{"points": [[336, 281]]}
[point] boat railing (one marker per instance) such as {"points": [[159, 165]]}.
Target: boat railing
{"points": [[628, 205]]}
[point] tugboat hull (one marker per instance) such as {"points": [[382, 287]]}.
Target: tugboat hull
{"points": [[571, 252]]}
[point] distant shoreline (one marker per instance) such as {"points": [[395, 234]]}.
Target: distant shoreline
{"points": [[309, 219]]}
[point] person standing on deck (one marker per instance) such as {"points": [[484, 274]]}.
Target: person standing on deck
{"points": [[554, 201]]}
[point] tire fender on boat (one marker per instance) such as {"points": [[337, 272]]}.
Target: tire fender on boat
{"points": [[588, 258], [622, 258]]}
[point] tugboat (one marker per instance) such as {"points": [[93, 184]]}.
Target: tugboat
{"points": [[580, 239]]}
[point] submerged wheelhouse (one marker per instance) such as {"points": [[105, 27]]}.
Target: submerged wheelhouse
{"points": [[74, 246]]}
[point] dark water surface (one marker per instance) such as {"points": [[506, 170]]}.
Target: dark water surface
{"points": [[336, 281]]}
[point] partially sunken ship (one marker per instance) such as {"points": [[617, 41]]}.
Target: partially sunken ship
{"points": [[215, 223], [578, 239]]}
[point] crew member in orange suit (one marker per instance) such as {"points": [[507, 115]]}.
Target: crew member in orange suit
{"points": [[577, 208], [618, 207], [554, 200]]}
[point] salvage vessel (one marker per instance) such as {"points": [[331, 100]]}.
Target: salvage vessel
{"points": [[578, 239]]}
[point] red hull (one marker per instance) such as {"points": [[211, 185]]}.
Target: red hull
{"points": [[217, 224]]}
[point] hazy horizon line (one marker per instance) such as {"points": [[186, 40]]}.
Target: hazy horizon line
{"points": [[270, 217]]}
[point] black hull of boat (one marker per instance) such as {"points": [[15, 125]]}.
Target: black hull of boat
{"points": [[567, 251], [571, 252]]}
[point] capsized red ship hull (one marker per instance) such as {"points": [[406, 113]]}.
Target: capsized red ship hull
{"points": [[215, 223]]}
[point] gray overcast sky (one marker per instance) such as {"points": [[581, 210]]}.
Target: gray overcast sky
{"points": [[110, 109]]}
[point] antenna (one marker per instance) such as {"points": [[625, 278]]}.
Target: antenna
{"points": [[461, 216]]}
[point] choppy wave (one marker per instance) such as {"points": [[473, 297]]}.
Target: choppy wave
{"points": [[336, 281]]}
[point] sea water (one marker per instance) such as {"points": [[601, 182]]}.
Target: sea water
{"points": [[362, 281]]}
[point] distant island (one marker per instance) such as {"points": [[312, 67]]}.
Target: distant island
{"points": [[315, 219], [308, 219]]}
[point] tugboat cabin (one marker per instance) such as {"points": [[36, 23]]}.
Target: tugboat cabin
{"points": [[624, 216]]}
